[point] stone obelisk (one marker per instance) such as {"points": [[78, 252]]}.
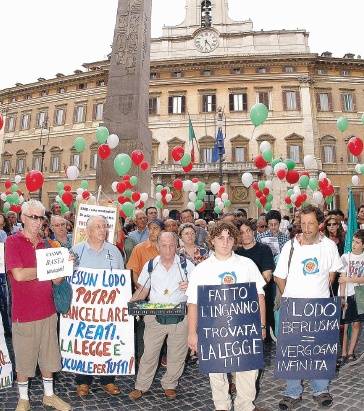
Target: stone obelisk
{"points": [[127, 102]]}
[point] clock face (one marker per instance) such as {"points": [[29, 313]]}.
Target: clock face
{"points": [[206, 41]]}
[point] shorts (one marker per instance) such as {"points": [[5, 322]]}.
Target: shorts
{"points": [[36, 342], [351, 314]]}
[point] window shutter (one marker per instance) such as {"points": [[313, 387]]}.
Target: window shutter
{"points": [[231, 102], [298, 100], [318, 105], [342, 102], [204, 103], [94, 108], [75, 114], [284, 97], [214, 102], [354, 101], [170, 105], [329, 97], [183, 105], [245, 102]]}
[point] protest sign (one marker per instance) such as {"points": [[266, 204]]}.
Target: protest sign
{"points": [[84, 212], [272, 243], [6, 369], [2, 258], [229, 328], [53, 263], [97, 334], [308, 338]]}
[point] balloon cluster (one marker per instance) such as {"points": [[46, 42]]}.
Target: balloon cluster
{"points": [[196, 192], [12, 196], [178, 154], [163, 196], [222, 201]]}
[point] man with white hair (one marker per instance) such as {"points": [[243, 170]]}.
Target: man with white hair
{"points": [[165, 280], [141, 232], [33, 311], [97, 253]]}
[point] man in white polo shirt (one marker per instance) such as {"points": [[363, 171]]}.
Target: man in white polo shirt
{"points": [[225, 267]]}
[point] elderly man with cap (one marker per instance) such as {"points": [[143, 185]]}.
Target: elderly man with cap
{"points": [[165, 280], [96, 252]]}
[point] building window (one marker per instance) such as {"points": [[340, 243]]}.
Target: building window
{"points": [[55, 164], [295, 148], [61, 90], [25, 121], [93, 156], [81, 86], [153, 75], [345, 73], [206, 73], [328, 154], [236, 70], [10, 123], [264, 97], [177, 74], [208, 103], [101, 83], [240, 154], [352, 159], [294, 152], [20, 162], [321, 71], [75, 159], [347, 101], [288, 69], [98, 111], [6, 165], [238, 102], [79, 113], [324, 101], [240, 149], [291, 100], [155, 152], [37, 160], [44, 93], [262, 70], [153, 105], [206, 155], [41, 120], [28, 97], [59, 116], [176, 104]]}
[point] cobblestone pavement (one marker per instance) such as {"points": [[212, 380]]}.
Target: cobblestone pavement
{"points": [[194, 392]]}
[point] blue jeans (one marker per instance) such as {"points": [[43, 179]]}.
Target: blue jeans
{"points": [[294, 388]]}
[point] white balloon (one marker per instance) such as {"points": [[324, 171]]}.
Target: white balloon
{"points": [[317, 197], [113, 186], [21, 199], [165, 212], [78, 197], [192, 196], [6, 205], [247, 179], [355, 180], [72, 172], [265, 146], [144, 197], [191, 206], [158, 196], [280, 166], [79, 191], [168, 197], [92, 200], [187, 184], [17, 179], [294, 197], [215, 187], [322, 175], [296, 190], [357, 168], [196, 215], [224, 196], [3, 196], [112, 141], [269, 184], [194, 187], [57, 199], [309, 161], [268, 170]]}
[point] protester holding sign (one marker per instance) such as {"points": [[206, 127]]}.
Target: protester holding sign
{"points": [[96, 252], [33, 310], [305, 269], [226, 268]]}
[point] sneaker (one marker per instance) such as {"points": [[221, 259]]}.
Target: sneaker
{"points": [[56, 403], [23, 405]]}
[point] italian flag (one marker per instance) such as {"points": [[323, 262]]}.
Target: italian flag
{"points": [[191, 139]]}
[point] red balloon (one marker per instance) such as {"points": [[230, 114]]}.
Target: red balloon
{"points": [[260, 162], [178, 184], [292, 176], [127, 184], [258, 194], [281, 174], [195, 180], [188, 168], [16, 208], [85, 195], [287, 200], [164, 201], [122, 214], [328, 191], [135, 197], [263, 200], [177, 153], [120, 187], [34, 180], [67, 197], [323, 183], [8, 184], [67, 187], [104, 151], [221, 191], [1, 121], [355, 146], [144, 165], [140, 205], [122, 199], [126, 177], [137, 157], [164, 192], [255, 186], [265, 191], [304, 197]]}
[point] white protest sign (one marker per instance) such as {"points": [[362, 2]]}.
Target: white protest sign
{"points": [[97, 334], [84, 212], [6, 369], [2, 258], [53, 263], [273, 243]]}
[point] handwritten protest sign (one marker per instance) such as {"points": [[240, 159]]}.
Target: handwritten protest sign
{"points": [[2, 258], [6, 369], [229, 328], [308, 338], [53, 263], [84, 212], [97, 334]]}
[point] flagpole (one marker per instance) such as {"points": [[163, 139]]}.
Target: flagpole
{"points": [[220, 142]]}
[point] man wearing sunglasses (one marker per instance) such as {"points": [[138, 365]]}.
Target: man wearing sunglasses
{"points": [[33, 312]]}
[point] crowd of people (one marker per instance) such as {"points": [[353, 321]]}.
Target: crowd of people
{"points": [[168, 259]]}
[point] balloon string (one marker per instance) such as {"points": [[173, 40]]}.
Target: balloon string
{"points": [[251, 138]]}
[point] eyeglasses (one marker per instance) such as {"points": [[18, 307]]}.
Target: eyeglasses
{"points": [[331, 224], [35, 217], [262, 226], [59, 225]]}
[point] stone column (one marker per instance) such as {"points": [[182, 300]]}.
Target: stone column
{"points": [[127, 102]]}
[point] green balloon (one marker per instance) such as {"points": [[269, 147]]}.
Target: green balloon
{"points": [[159, 188], [102, 133], [276, 161], [14, 188], [201, 194], [59, 186], [289, 192], [258, 114], [362, 118], [258, 203], [6, 207], [305, 204], [185, 160], [227, 203], [303, 181], [313, 183], [289, 205], [261, 185], [217, 210], [128, 209], [122, 164], [198, 204], [269, 198], [362, 169], [268, 206], [79, 144], [342, 124], [268, 156], [84, 184], [60, 193], [64, 208], [329, 199], [201, 186], [133, 180], [159, 204], [127, 193], [290, 164]]}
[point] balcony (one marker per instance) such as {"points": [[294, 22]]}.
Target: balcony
{"points": [[210, 168]]}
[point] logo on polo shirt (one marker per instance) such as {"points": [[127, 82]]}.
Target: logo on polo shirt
{"points": [[310, 266], [228, 278]]}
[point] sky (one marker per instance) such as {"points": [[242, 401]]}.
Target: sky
{"points": [[40, 38]]}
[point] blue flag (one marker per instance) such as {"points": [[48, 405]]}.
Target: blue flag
{"points": [[352, 223], [219, 142]]}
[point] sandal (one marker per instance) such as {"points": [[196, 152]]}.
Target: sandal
{"points": [[351, 359], [324, 400], [289, 403]]}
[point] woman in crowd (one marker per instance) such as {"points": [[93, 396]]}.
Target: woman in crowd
{"points": [[334, 231], [193, 252]]}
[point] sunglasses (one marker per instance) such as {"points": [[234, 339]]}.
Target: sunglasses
{"points": [[35, 217], [59, 225]]}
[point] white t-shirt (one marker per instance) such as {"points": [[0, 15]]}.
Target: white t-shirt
{"points": [[310, 267], [354, 269], [164, 285], [236, 269]]}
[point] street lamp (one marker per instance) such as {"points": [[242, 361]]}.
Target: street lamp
{"points": [[43, 142]]}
